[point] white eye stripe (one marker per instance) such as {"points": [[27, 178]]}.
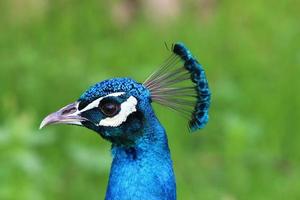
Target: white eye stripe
{"points": [[127, 107], [96, 102]]}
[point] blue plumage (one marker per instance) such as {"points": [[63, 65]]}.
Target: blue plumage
{"points": [[142, 166], [143, 171], [200, 113], [181, 84], [113, 85], [120, 111]]}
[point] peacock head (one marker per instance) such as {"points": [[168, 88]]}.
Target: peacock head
{"points": [[116, 108], [113, 108]]}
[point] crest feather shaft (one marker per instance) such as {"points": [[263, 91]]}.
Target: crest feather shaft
{"points": [[181, 84]]}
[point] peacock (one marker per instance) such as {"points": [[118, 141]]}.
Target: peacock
{"points": [[120, 111]]}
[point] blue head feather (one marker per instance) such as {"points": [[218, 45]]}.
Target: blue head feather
{"points": [[200, 113], [113, 85], [181, 84]]}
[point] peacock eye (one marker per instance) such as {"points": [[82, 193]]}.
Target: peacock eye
{"points": [[109, 108]]}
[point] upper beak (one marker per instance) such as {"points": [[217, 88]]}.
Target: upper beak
{"points": [[66, 115]]}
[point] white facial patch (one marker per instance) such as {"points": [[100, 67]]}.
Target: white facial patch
{"points": [[95, 103], [127, 107]]}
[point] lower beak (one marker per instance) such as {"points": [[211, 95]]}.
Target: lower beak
{"points": [[66, 115]]}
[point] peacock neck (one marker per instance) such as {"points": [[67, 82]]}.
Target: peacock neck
{"points": [[144, 170]]}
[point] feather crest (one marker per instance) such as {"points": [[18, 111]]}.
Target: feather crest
{"points": [[181, 84]]}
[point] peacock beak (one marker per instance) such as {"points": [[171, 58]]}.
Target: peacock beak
{"points": [[66, 115]]}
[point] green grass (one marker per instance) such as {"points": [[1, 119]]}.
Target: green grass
{"points": [[250, 148]]}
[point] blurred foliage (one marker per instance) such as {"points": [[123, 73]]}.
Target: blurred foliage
{"points": [[51, 51]]}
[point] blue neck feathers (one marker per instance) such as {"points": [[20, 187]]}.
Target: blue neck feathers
{"points": [[143, 171]]}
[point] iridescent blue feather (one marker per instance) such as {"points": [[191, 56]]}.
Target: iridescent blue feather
{"points": [[181, 84], [200, 113]]}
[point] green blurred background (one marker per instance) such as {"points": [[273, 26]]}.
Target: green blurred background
{"points": [[51, 51]]}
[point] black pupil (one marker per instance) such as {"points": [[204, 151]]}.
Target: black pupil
{"points": [[110, 108]]}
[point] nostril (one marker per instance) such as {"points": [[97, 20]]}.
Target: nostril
{"points": [[69, 111]]}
